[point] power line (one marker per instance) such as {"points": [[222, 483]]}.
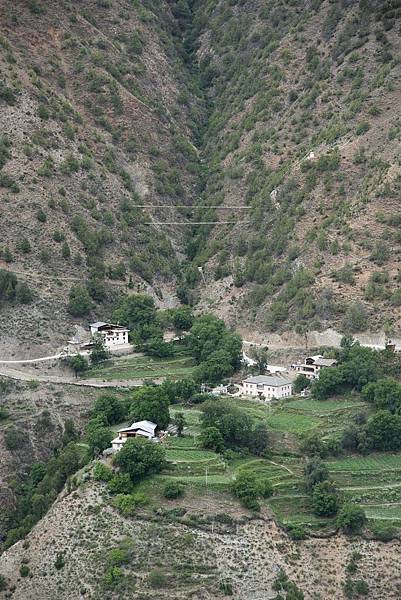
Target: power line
{"points": [[196, 223], [185, 206]]}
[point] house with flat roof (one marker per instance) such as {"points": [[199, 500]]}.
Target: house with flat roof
{"points": [[113, 335], [144, 429], [268, 386], [312, 366]]}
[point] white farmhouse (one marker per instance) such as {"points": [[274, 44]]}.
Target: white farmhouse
{"points": [[312, 366], [113, 335], [145, 429], [267, 386]]}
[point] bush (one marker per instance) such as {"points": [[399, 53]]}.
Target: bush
{"points": [[102, 472], [14, 439], [174, 489], [24, 570], [351, 518], [120, 484], [23, 293], [325, 499], [80, 303], [383, 532], [3, 583], [140, 457], [157, 579], [128, 503], [296, 531], [245, 488]]}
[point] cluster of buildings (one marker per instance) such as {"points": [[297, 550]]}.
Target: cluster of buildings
{"points": [[279, 382]]}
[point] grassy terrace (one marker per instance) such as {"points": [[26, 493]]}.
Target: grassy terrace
{"points": [[373, 481], [142, 367]]}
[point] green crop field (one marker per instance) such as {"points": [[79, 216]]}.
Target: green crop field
{"points": [[142, 367], [323, 406], [293, 422], [373, 462], [183, 455]]}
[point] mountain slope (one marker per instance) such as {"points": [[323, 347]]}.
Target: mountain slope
{"points": [[97, 113], [185, 551], [304, 129]]}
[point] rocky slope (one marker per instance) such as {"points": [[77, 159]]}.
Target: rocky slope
{"points": [[304, 130], [97, 113], [32, 419], [287, 109], [200, 551]]}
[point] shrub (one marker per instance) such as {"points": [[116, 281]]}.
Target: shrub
{"points": [[128, 503], [79, 303], [23, 293], [157, 579], [59, 562], [24, 570], [3, 583], [245, 488], [102, 472], [296, 531], [325, 499], [383, 532], [174, 489], [14, 439], [120, 484], [351, 518], [140, 457]]}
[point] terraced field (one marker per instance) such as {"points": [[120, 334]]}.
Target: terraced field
{"points": [[142, 367], [373, 481]]}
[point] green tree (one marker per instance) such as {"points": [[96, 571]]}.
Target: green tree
{"points": [[301, 383], [245, 488], [385, 394], [138, 313], [351, 518], [179, 422], [79, 303], [150, 403], [23, 293], [111, 408], [98, 436], [355, 318], [99, 351], [315, 471], [259, 440], [140, 457], [383, 431], [325, 499], [235, 425], [182, 318], [212, 439], [78, 363], [209, 335], [215, 368]]}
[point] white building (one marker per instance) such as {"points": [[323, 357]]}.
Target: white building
{"points": [[113, 335], [312, 366], [268, 386], [145, 429]]}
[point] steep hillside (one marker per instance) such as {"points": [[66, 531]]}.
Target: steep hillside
{"points": [[84, 548], [97, 113], [32, 419], [304, 130]]}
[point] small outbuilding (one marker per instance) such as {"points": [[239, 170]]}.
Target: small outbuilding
{"points": [[268, 386]]}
